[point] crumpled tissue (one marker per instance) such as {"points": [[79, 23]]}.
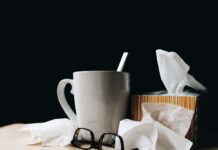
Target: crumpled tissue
{"points": [[174, 72], [174, 117], [145, 135], [57, 132], [167, 138], [135, 134], [150, 135]]}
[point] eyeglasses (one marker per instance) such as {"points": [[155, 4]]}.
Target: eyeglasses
{"points": [[85, 139]]}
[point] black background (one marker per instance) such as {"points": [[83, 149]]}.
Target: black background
{"points": [[40, 44]]}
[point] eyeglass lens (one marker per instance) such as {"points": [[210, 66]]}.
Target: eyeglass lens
{"points": [[84, 139], [108, 140]]}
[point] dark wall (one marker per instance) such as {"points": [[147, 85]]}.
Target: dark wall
{"points": [[40, 44]]}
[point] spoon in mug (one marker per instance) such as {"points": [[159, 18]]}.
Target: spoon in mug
{"points": [[122, 62]]}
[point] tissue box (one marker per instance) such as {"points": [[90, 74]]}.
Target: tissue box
{"points": [[188, 100]]}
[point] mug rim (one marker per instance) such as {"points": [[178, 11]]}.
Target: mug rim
{"points": [[101, 71]]}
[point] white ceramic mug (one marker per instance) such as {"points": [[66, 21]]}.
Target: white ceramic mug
{"points": [[100, 99]]}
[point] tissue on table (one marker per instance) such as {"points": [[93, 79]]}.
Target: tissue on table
{"points": [[150, 135], [174, 117], [167, 138], [57, 132], [145, 135], [138, 135]]}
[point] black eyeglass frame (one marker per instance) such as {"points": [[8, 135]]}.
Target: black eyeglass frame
{"points": [[97, 145]]}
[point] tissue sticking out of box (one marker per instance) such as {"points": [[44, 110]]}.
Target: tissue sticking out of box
{"points": [[174, 73]]}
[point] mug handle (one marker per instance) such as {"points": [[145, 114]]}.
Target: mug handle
{"points": [[62, 99]]}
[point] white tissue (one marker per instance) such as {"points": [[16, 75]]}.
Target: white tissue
{"points": [[136, 134], [145, 135], [57, 132], [174, 72], [167, 138], [172, 116]]}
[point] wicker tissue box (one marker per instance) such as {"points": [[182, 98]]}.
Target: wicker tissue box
{"points": [[188, 100]]}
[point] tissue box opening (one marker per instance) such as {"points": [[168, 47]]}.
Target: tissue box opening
{"points": [[186, 100]]}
